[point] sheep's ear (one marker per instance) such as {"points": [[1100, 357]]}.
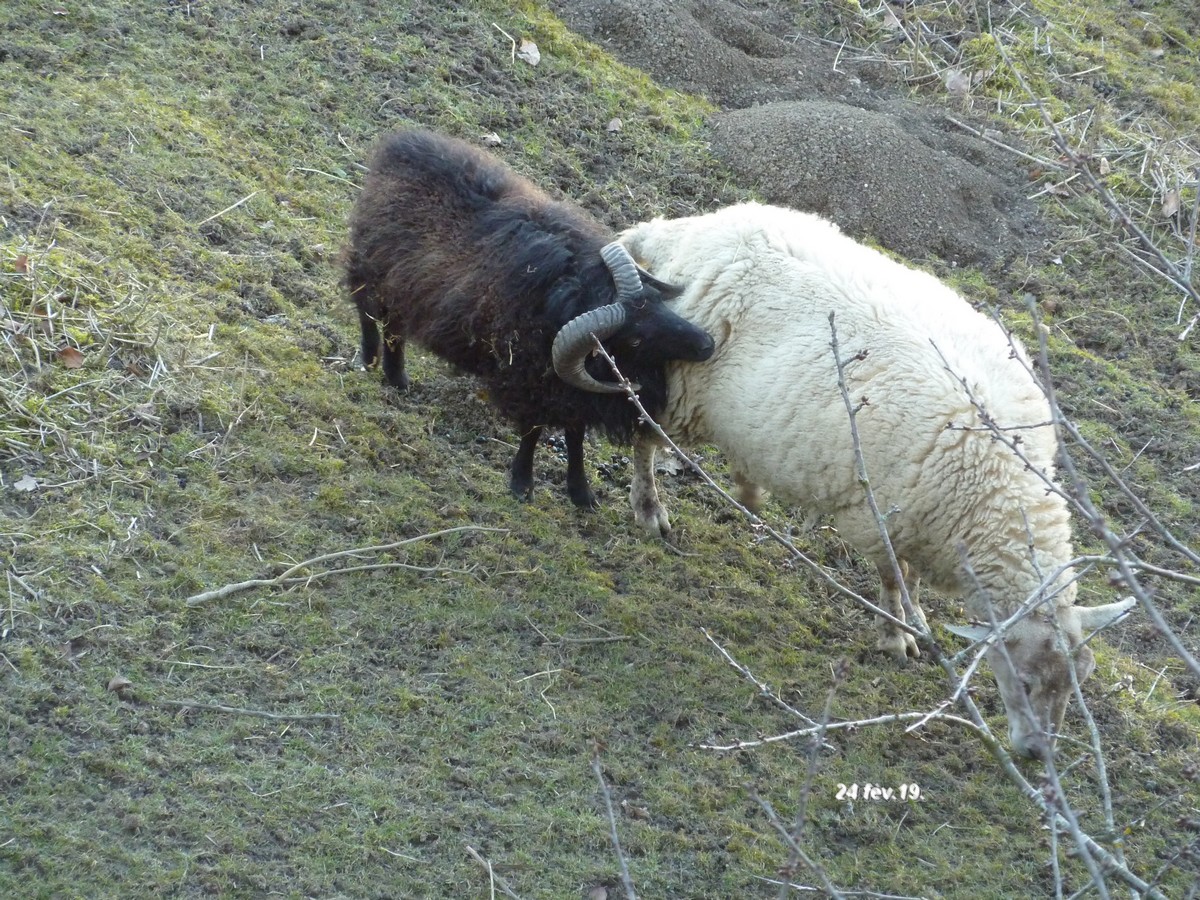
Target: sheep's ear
{"points": [[1093, 618], [974, 633]]}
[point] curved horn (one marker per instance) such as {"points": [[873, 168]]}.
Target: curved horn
{"points": [[574, 341], [624, 270], [665, 288]]}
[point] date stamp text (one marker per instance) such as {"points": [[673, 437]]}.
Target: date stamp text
{"points": [[868, 791]]}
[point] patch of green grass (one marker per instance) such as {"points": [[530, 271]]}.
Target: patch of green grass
{"points": [[174, 184]]}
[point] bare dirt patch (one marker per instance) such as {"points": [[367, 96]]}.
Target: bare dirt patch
{"points": [[810, 130]]}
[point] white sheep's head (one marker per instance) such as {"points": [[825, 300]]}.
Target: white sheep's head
{"points": [[1032, 670]]}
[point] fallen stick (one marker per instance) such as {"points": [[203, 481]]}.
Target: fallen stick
{"points": [[286, 576]]}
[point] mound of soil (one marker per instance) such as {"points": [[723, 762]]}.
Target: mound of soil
{"points": [[893, 175], [735, 53], [815, 132]]}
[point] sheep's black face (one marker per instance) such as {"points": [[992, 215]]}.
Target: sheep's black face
{"points": [[640, 333], [653, 335]]}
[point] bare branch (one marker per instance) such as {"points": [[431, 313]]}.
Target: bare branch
{"points": [[229, 208], [890, 719], [626, 880], [1079, 162], [286, 577], [814, 754], [1097, 855], [984, 136], [798, 852], [239, 710], [758, 523], [763, 688]]}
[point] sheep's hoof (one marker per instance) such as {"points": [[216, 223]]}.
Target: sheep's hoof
{"points": [[521, 489], [584, 498], [653, 521], [899, 645]]}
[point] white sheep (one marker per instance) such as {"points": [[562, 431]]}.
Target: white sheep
{"points": [[763, 280]]}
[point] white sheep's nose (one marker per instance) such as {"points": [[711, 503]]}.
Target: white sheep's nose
{"points": [[1030, 744]]}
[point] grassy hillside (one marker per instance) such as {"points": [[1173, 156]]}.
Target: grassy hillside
{"points": [[179, 410]]}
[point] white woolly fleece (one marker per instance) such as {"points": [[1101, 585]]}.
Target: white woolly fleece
{"points": [[763, 281]]}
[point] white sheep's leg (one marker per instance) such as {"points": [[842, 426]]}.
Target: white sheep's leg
{"points": [[648, 510], [914, 589], [749, 494], [893, 639]]}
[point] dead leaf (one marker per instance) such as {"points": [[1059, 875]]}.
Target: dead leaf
{"points": [[1105, 165], [71, 357], [119, 683], [958, 83], [40, 314], [614, 125], [27, 485], [529, 52], [1170, 204], [599, 892], [21, 264]]}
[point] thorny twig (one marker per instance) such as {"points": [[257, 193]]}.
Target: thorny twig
{"points": [[860, 468], [1054, 803], [1077, 495], [1116, 545]]}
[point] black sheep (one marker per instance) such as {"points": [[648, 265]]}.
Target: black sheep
{"points": [[452, 249]]}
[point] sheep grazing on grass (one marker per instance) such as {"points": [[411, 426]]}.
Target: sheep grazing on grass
{"points": [[452, 249], [934, 378]]}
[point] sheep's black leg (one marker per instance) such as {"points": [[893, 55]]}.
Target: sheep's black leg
{"points": [[521, 482], [370, 339], [393, 356], [577, 485]]}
